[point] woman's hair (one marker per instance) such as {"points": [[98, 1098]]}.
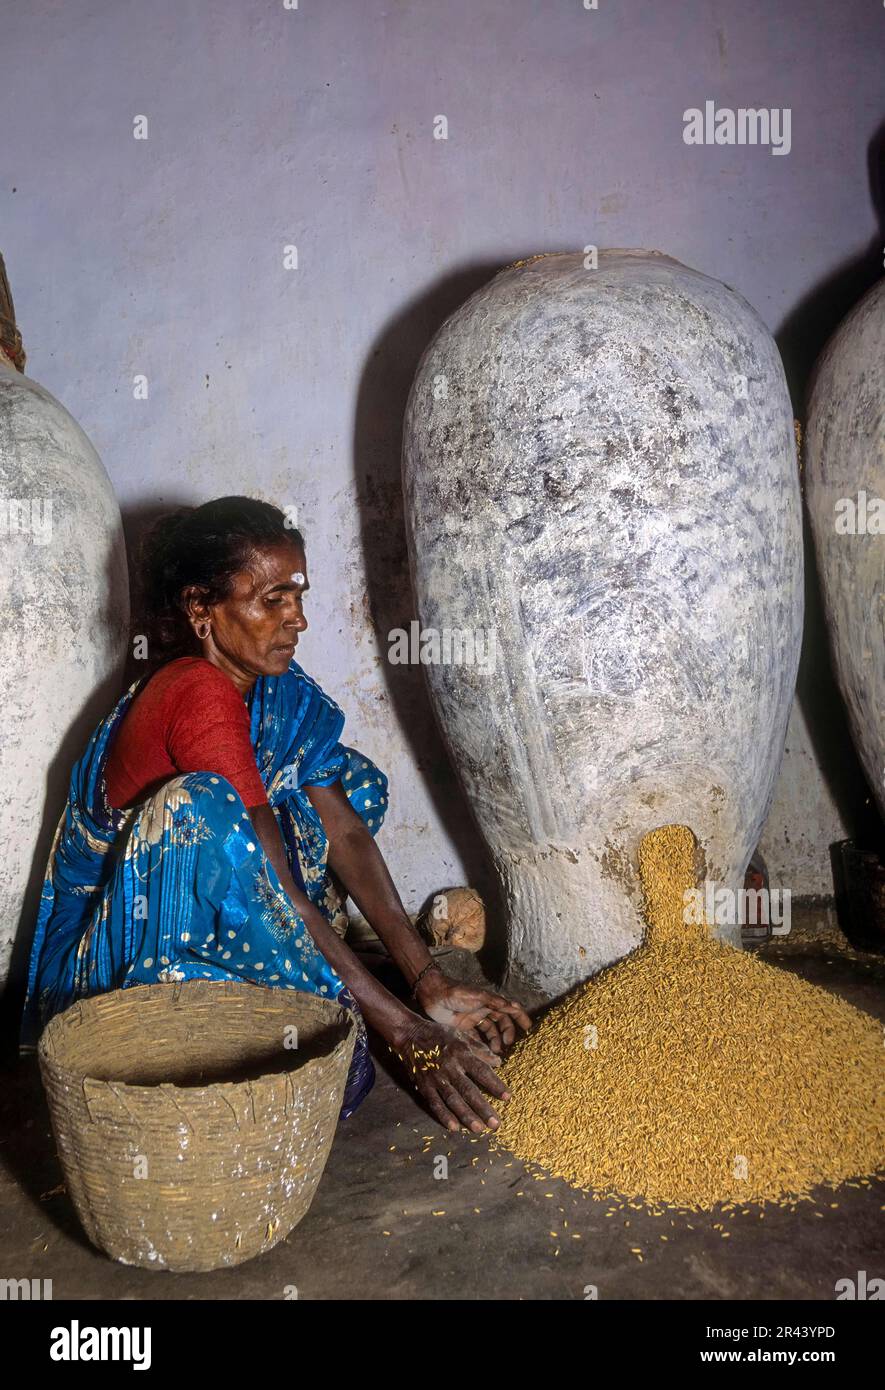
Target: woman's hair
{"points": [[205, 547]]}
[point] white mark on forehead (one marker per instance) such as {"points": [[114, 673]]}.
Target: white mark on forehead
{"points": [[297, 577]]}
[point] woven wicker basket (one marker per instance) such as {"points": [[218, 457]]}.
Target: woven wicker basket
{"points": [[192, 1122]]}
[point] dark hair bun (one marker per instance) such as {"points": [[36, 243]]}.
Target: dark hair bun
{"points": [[202, 547]]}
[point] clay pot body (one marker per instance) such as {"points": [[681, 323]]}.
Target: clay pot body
{"points": [[600, 474], [845, 489], [64, 613]]}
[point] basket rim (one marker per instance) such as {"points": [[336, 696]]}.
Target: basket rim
{"points": [[69, 1075]]}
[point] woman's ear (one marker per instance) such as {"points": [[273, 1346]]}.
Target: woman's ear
{"points": [[193, 601]]}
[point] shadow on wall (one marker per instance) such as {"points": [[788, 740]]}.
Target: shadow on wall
{"points": [[137, 521], [801, 339], [378, 433]]}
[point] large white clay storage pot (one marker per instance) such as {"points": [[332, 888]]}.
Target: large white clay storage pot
{"points": [[64, 613], [845, 490], [600, 469]]}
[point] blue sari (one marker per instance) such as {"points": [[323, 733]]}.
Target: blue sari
{"points": [[178, 887]]}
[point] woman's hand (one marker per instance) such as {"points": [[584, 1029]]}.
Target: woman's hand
{"points": [[448, 1071], [485, 1018]]}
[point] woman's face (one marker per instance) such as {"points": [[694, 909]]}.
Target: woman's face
{"points": [[255, 630]]}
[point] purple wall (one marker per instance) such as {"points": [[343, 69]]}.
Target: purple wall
{"points": [[270, 127]]}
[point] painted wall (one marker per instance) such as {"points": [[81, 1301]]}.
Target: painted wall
{"points": [[270, 127]]}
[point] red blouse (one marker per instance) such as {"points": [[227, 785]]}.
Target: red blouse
{"points": [[189, 717]]}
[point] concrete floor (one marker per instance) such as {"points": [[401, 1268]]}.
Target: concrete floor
{"points": [[488, 1242]]}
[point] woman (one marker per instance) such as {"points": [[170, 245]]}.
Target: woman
{"points": [[213, 806]]}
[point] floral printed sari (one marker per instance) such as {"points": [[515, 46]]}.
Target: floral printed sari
{"points": [[178, 887]]}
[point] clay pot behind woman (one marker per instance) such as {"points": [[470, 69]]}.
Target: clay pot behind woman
{"points": [[64, 614], [600, 473]]}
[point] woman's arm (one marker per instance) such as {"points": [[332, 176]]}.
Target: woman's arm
{"points": [[358, 862], [447, 1071], [385, 1013]]}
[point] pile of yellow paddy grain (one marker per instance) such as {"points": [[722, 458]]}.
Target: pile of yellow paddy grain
{"points": [[692, 1073]]}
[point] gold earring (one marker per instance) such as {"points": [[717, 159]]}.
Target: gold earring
{"points": [[208, 628]]}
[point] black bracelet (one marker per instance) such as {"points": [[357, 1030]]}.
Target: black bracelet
{"points": [[431, 965]]}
